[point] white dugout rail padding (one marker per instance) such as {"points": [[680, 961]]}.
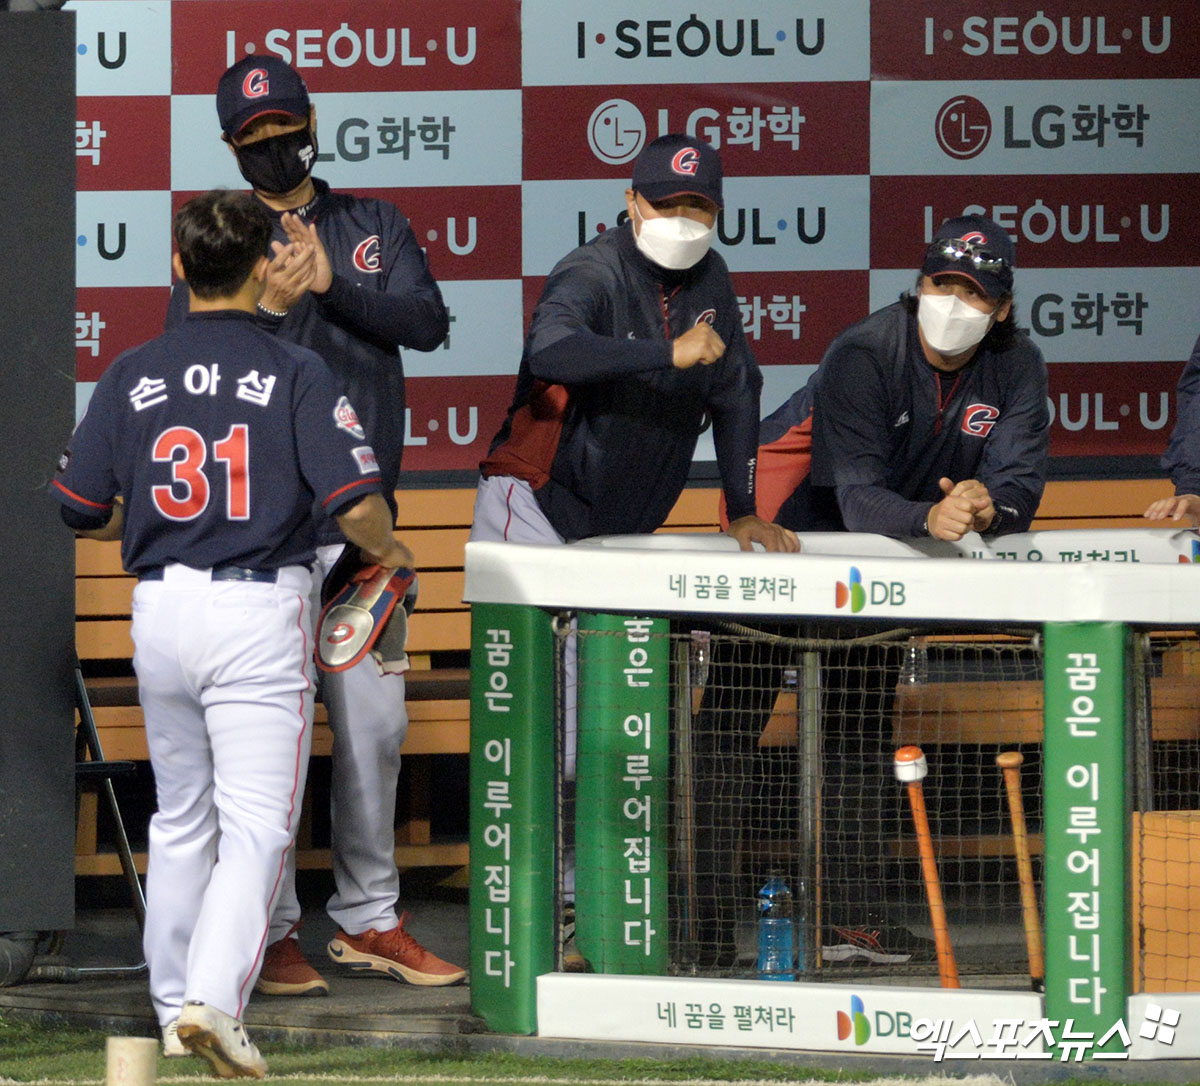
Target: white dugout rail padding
{"points": [[1141, 576], [957, 1028], [1078, 585]]}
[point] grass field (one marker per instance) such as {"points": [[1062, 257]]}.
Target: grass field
{"points": [[37, 1054], [65, 1057]]}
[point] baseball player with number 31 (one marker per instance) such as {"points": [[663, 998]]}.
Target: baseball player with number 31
{"points": [[220, 438], [349, 280]]}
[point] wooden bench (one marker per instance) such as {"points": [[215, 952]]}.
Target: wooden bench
{"points": [[949, 713], [1116, 503], [1011, 713], [435, 524]]}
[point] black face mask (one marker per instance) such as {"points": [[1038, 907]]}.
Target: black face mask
{"points": [[278, 164]]}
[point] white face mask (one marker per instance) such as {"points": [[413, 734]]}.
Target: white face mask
{"points": [[949, 325], [673, 241]]}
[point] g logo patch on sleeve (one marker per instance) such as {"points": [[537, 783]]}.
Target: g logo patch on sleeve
{"points": [[347, 418]]}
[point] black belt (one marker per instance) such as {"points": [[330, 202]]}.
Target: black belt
{"points": [[223, 573]]}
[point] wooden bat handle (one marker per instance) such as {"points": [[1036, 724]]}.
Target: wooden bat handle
{"points": [[947, 967], [1010, 763]]}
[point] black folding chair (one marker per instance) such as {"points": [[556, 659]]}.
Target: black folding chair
{"points": [[93, 772]]}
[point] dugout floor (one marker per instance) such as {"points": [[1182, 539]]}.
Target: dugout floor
{"points": [[373, 1010], [358, 1007]]}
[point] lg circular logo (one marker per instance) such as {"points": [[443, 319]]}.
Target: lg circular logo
{"points": [[963, 127], [616, 131]]}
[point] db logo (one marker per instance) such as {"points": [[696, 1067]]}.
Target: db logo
{"points": [[963, 127], [366, 256], [979, 418], [851, 592], [343, 631], [857, 593], [856, 1024], [616, 131]]}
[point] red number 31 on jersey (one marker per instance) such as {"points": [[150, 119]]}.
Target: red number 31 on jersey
{"points": [[189, 492]]}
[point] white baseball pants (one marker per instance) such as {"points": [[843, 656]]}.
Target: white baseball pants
{"points": [[369, 722], [226, 681]]}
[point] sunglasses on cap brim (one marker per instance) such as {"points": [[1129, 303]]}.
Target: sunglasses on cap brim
{"points": [[957, 249]]}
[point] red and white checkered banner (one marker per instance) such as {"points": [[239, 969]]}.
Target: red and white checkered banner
{"points": [[506, 132]]}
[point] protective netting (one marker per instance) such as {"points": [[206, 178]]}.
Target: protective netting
{"points": [[794, 738], [782, 747], [1165, 846]]}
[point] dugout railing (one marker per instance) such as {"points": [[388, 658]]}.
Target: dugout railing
{"points": [[1078, 654]]}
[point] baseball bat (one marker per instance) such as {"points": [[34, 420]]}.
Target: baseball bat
{"points": [[911, 768], [1009, 762]]}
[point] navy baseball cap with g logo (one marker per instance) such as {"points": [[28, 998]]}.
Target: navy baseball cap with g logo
{"points": [[258, 85], [976, 247], [676, 164]]}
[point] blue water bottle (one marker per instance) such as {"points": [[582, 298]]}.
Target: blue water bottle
{"points": [[775, 931]]}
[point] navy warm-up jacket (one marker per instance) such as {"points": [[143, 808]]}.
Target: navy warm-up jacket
{"points": [[602, 425], [885, 427], [383, 297]]}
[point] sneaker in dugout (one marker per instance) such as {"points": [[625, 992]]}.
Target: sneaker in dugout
{"points": [[287, 972], [172, 1046], [875, 943], [573, 961], [394, 953], [221, 1039]]}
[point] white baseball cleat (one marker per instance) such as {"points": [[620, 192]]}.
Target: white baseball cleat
{"points": [[172, 1045], [221, 1039]]}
